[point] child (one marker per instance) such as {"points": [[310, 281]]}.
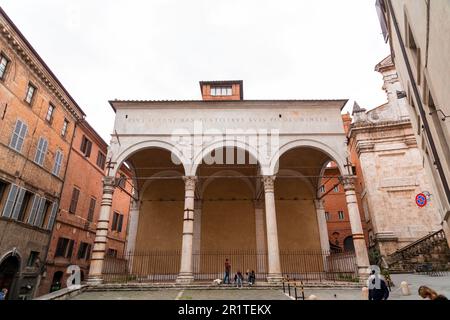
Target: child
{"points": [[238, 277]]}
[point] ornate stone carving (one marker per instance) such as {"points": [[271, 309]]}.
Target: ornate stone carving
{"points": [[189, 183], [269, 183], [348, 182]]}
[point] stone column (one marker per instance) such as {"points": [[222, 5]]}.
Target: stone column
{"points": [[197, 234], [186, 273], [133, 226], [322, 224], [99, 250], [274, 270], [261, 249], [362, 257]]}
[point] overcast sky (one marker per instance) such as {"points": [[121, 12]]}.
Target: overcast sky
{"points": [[159, 49]]}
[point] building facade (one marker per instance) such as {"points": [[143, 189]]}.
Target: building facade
{"points": [[336, 212], [418, 34], [37, 121], [226, 175], [388, 161], [73, 236]]}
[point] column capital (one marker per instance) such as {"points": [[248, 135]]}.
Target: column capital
{"points": [[109, 181], [269, 183], [189, 182], [320, 204], [349, 182]]}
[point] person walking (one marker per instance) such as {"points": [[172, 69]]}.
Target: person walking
{"points": [[226, 278]]}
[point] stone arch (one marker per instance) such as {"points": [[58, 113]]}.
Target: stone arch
{"points": [[198, 158], [306, 143], [149, 144]]}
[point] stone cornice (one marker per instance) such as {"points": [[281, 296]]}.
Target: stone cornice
{"points": [[10, 33], [366, 127]]}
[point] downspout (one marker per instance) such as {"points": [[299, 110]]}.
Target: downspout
{"points": [[437, 161]]}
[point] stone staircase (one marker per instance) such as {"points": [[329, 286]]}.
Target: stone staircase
{"points": [[428, 255]]}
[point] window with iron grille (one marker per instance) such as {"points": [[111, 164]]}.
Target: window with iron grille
{"points": [[341, 215]]}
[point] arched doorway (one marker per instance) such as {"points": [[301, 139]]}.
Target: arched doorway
{"points": [[57, 281], [9, 270], [348, 244]]}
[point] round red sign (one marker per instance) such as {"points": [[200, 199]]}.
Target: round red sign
{"points": [[421, 200]]}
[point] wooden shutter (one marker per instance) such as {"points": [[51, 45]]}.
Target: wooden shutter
{"points": [[51, 221], [23, 132], [34, 209], [40, 213], [16, 134], [19, 202], [70, 250], [119, 226], [74, 201], [10, 201]]}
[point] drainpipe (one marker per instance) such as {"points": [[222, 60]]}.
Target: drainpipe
{"points": [[60, 195], [437, 161]]}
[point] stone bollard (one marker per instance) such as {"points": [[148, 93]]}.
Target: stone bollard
{"points": [[312, 297], [405, 288], [365, 293]]}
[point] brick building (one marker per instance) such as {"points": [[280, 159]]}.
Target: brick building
{"points": [[336, 212], [37, 121], [74, 232]]}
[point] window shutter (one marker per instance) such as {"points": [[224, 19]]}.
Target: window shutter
{"points": [[40, 214], [22, 135], [74, 201], [89, 147], [18, 205], [43, 151], [16, 134], [119, 227], [38, 151], [70, 250], [34, 209], [51, 221], [10, 201]]}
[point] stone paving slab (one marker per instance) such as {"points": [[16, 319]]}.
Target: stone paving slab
{"points": [[441, 284]]}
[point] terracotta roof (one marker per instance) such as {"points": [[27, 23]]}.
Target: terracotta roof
{"points": [[384, 64]]}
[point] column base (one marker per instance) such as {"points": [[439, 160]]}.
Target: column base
{"points": [[185, 278], [275, 278], [94, 280], [363, 273]]}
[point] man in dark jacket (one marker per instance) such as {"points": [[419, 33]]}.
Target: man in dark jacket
{"points": [[378, 292]]}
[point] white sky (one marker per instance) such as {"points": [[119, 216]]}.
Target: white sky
{"points": [[159, 49]]}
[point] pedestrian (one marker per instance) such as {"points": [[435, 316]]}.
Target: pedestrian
{"points": [[428, 293], [238, 277], [3, 294], [378, 289], [252, 277], [226, 278]]}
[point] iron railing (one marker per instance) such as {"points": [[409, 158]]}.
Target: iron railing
{"points": [[163, 266]]}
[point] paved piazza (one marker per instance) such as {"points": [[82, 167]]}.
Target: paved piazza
{"points": [[441, 284]]}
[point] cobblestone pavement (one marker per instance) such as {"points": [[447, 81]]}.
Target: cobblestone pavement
{"points": [[441, 284]]}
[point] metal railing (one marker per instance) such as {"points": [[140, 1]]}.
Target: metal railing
{"points": [[163, 266]]}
